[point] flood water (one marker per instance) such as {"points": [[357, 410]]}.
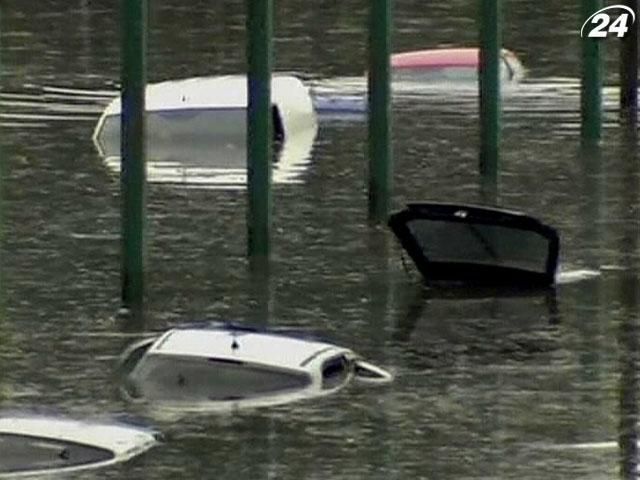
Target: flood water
{"points": [[487, 385]]}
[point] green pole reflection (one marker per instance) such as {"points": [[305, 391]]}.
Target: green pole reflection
{"points": [[629, 72], [260, 296], [629, 362], [379, 445], [629, 301], [489, 190]]}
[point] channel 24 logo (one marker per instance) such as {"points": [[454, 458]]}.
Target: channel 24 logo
{"points": [[601, 23]]}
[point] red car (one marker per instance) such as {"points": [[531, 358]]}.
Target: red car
{"points": [[450, 64], [441, 67]]}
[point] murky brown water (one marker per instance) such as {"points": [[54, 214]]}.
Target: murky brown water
{"points": [[487, 386]]}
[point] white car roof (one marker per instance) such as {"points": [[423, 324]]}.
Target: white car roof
{"points": [[124, 441], [228, 91], [275, 350]]}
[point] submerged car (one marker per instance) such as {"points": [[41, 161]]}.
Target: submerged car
{"points": [[479, 245], [451, 65], [446, 70], [222, 366], [32, 444], [211, 109]]}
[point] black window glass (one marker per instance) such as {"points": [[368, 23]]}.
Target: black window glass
{"points": [[21, 453], [476, 243], [335, 372], [167, 378]]}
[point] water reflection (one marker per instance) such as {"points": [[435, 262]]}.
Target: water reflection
{"points": [[478, 321], [615, 243], [629, 333], [462, 422], [489, 190], [210, 163], [260, 446], [201, 160], [261, 295], [629, 301], [344, 98], [4, 350]]}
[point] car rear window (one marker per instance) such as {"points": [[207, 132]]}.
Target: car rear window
{"points": [[481, 244], [21, 453], [210, 379]]}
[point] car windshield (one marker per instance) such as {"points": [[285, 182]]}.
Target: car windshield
{"points": [[443, 241], [20, 453]]}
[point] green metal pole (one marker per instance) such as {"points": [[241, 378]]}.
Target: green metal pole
{"points": [[489, 85], [591, 91], [379, 84], [259, 127], [133, 174], [629, 71]]}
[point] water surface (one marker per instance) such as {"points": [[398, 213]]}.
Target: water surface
{"points": [[487, 386]]}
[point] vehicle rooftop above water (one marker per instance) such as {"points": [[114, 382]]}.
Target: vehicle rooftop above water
{"points": [[442, 57], [242, 346], [33, 444], [221, 367], [448, 61]]}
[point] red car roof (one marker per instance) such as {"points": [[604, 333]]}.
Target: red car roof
{"points": [[438, 58]]}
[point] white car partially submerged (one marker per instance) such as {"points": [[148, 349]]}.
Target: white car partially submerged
{"points": [[41, 444], [222, 367], [211, 110]]}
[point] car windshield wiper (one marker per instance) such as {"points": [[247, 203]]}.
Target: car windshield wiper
{"points": [[488, 248]]}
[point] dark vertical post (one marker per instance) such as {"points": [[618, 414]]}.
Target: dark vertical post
{"points": [[380, 147], [489, 85], [133, 174], [591, 91], [259, 127], [629, 71]]}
